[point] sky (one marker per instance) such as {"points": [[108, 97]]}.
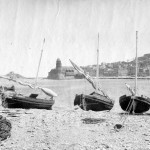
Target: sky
{"points": [[70, 29]]}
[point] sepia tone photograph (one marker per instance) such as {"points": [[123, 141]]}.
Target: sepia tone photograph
{"points": [[75, 75]]}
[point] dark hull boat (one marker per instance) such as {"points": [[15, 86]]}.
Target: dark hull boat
{"points": [[134, 104], [94, 102], [27, 103], [10, 99]]}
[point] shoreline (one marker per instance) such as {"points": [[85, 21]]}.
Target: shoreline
{"points": [[100, 78]]}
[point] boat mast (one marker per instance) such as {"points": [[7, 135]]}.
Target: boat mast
{"points": [[97, 72], [39, 63], [136, 61]]}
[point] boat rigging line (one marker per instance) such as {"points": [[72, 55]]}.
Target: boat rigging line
{"points": [[97, 72], [133, 92], [39, 63]]}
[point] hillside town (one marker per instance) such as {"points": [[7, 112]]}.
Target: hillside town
{"points": [[122, 68], [115, 69]]}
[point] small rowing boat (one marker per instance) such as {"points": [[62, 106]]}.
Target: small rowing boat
{"points": [[10, 99]]}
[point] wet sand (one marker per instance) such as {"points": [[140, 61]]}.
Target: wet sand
{"points": [[64, 128]]}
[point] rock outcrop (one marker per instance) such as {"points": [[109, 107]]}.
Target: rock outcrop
{"points": [[5, 128]]}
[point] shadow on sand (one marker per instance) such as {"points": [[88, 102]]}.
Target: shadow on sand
{"points": [[93, 120], [136, 114], [14, 112]]}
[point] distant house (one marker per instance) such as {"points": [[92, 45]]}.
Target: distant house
{"points": [[110, 72], [122, 71], [131, 70], [147, 72], [69, 72], [141, 72], [101, 72]]}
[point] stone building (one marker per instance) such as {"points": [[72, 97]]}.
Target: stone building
{"points": [[61, 72], [56, 73]]}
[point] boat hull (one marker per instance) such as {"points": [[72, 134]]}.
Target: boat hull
{"points": [[94, 102], [27, 103], [140, 104]]}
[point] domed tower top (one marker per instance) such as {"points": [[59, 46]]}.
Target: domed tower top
{"points": [[58, 64], [58, 59]]}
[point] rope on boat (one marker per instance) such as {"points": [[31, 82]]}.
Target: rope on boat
{"points": [[130, 89], [84, 103], [128, 109]]}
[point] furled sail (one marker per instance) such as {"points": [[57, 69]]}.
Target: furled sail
{"points": [[87, 76]]}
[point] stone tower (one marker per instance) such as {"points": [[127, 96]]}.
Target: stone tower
{"points": [[58, 65], [56, 73]]}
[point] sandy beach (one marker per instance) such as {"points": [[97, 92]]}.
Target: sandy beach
{"points": [[66, 128]]}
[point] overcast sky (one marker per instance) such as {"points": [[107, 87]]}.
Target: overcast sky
{"points": [[70, 29]]}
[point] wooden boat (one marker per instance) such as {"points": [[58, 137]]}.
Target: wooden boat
{"points": [[10, 99], [27, 102], [96, 101], [133, 103]]}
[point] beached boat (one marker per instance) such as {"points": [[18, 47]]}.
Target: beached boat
{"points": [[10, 99], [96, 101], [134, 103], [26, 102]]}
